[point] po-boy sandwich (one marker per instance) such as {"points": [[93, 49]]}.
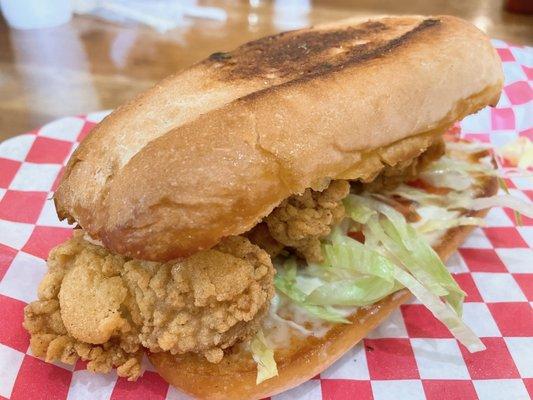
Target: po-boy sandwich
{"points": [[248, 220]]}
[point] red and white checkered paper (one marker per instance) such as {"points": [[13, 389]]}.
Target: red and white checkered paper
{"points": [[410, 356]]}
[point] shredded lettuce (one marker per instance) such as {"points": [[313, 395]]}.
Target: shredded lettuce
{"points": [[422, 197], [263, 355], [519, 152], [447, 164], [504, 200], [382, 273], [414, 264], [346, 253], [370, 281], [421, 261], [435, 219], [457, 200], [445, 224], [285, 282], [517, 215], [449, 180], [455, 180], [357, 211], [412, 250], [441, 311], [453, 173], [355, 292], [459, 174]]}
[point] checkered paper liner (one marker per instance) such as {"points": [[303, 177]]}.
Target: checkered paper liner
{"points": [[410, 356]]}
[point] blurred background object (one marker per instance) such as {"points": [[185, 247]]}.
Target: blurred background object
{"points": [[36, 14], [112, 49], [162, 15]]}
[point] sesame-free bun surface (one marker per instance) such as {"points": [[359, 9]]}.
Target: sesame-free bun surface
{"points": [[210, 151], [234, 378]]}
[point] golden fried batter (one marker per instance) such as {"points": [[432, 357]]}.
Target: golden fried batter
{"points": [[302, 220], [261, 236], [105, 308]]}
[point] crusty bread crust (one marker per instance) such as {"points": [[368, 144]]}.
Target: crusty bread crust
{"points": [[210, 151], [234, 378]]}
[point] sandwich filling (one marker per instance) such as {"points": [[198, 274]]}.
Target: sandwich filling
{"points": [[304, 269]]}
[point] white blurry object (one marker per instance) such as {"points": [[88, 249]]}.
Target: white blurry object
{"points": [[162, 15], [35, 14], [291, 14]]}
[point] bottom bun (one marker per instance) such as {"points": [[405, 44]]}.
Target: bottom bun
{"points": [[234, 377]]}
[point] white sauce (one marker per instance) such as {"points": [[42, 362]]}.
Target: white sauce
{"points": [[286, 320]]}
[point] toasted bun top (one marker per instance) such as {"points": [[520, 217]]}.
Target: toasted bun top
{"points": [[211, 150]]}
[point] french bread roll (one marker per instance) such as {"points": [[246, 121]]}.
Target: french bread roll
{"points": [[234, 378], [210, 151]]}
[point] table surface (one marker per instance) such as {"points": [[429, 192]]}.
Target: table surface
{"points": [[89, 64]]}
